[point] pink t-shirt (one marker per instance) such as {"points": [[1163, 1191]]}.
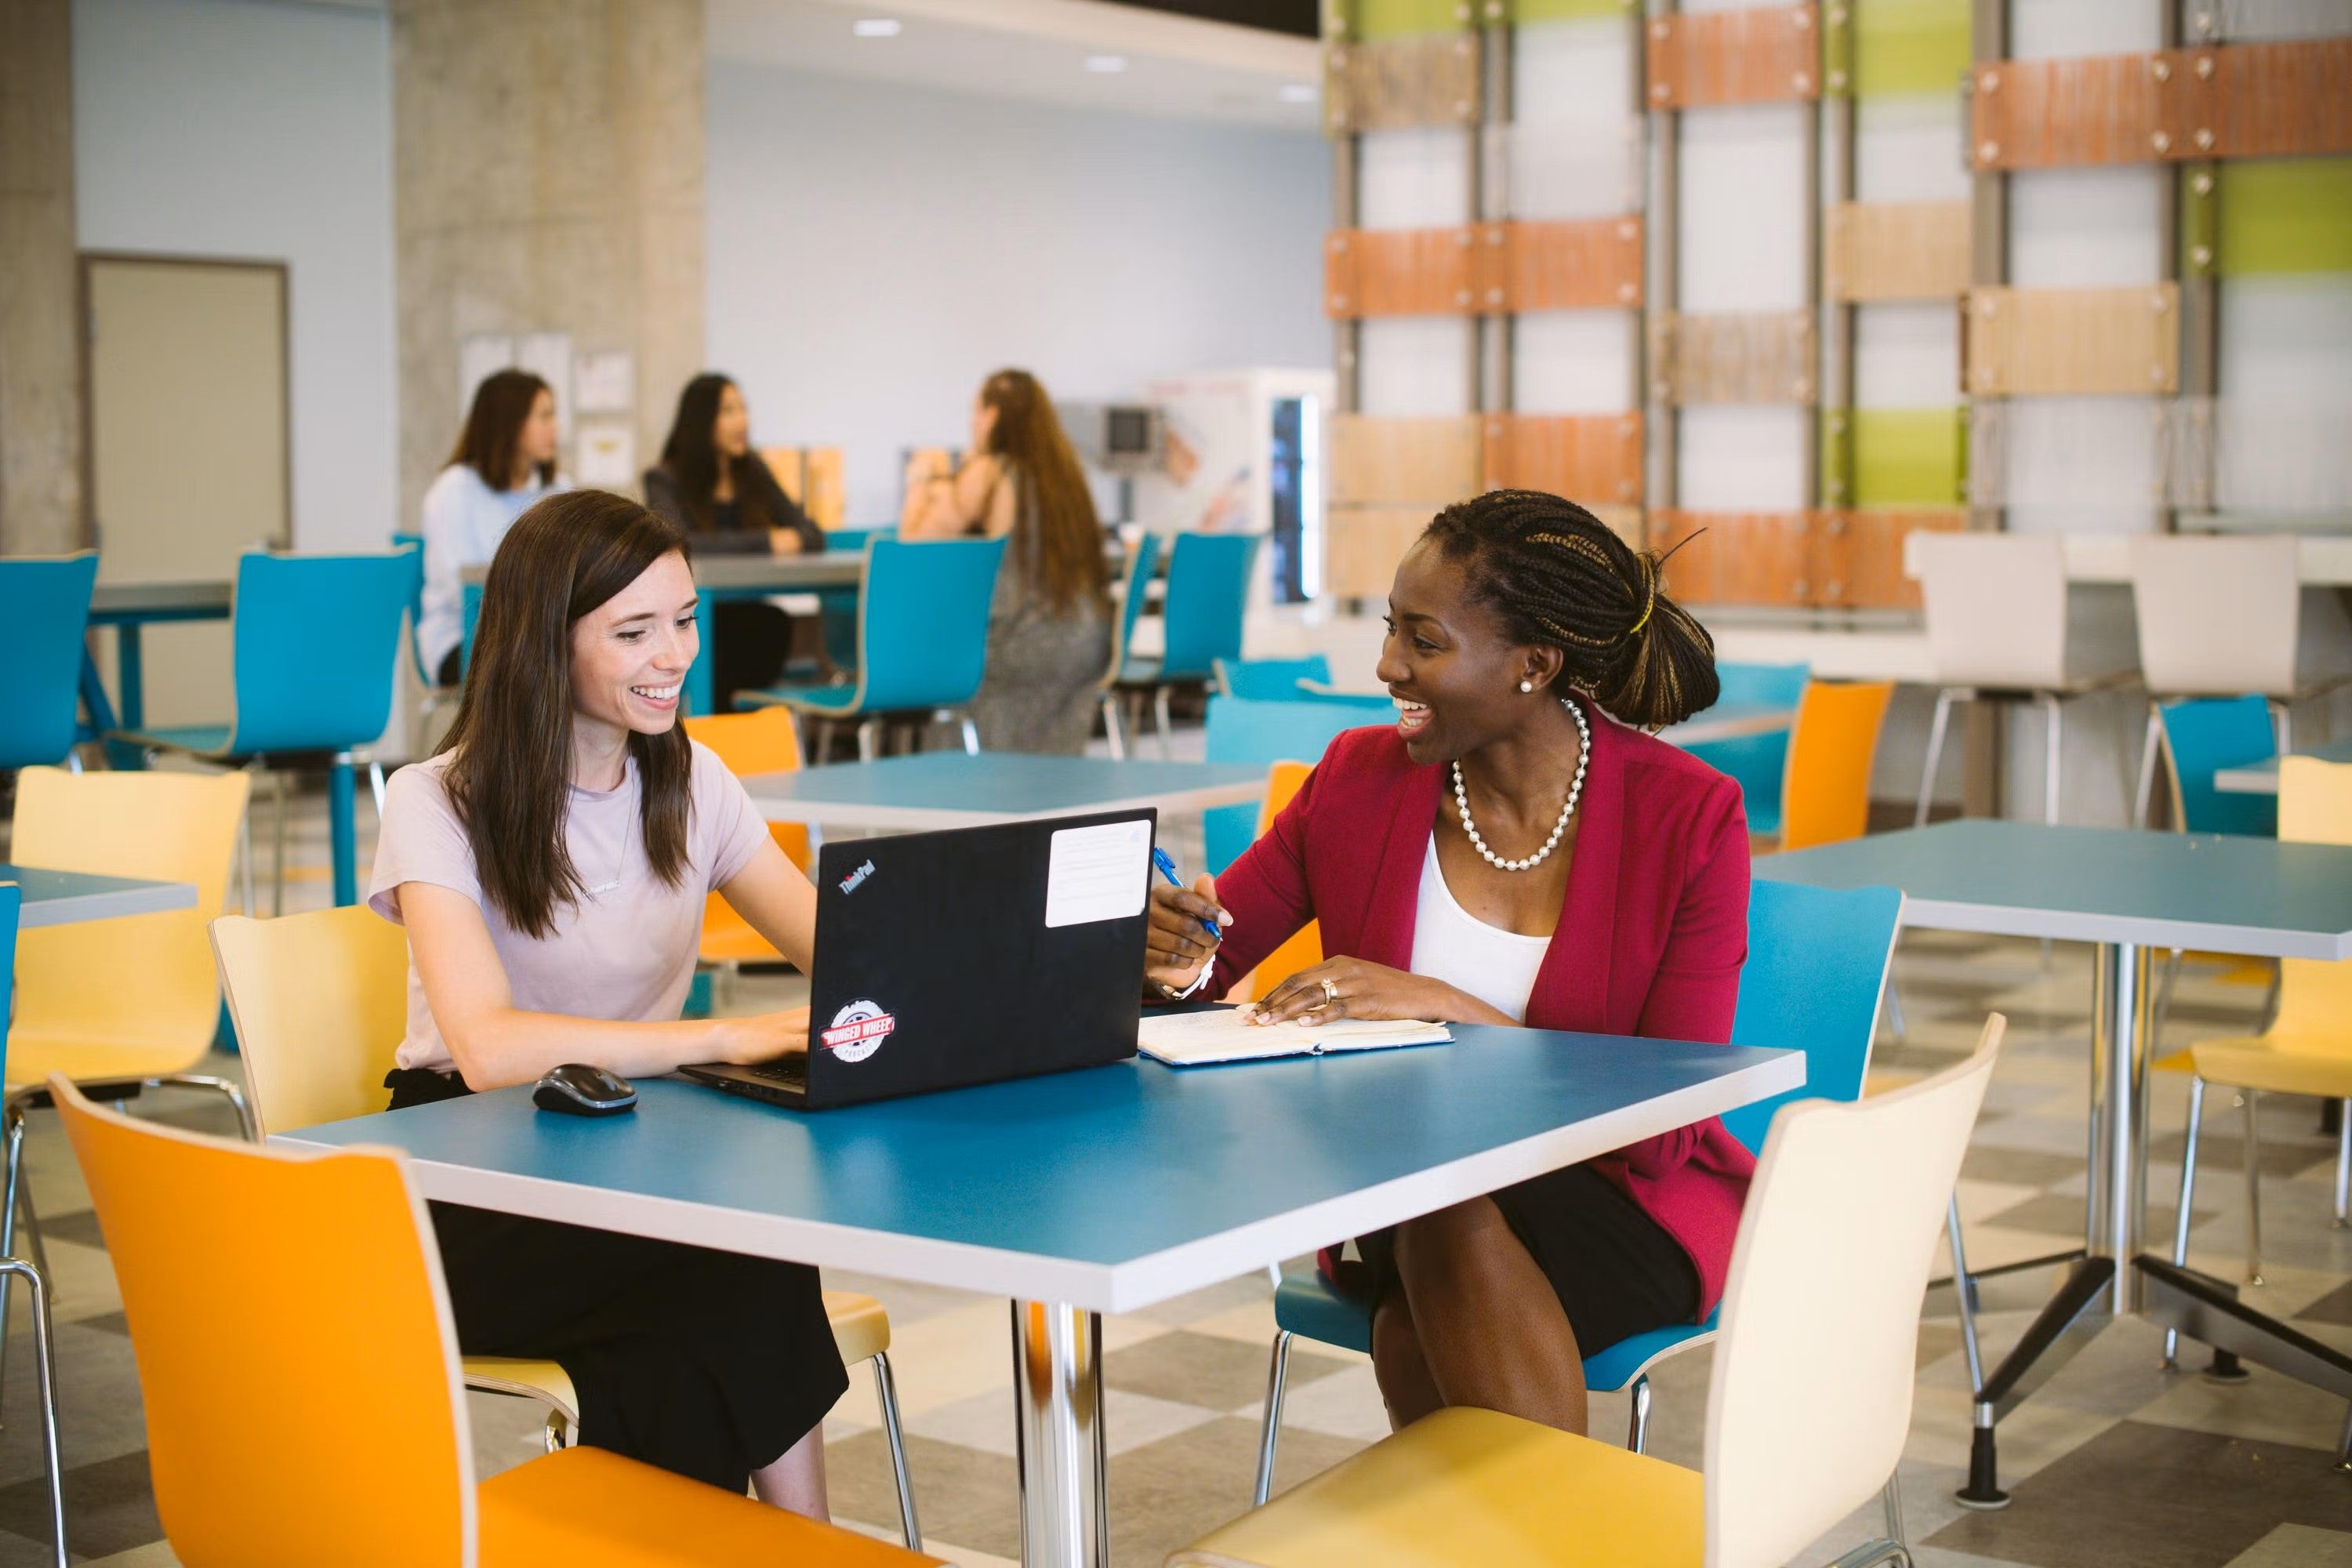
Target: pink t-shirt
{"points": [[626, 950]]}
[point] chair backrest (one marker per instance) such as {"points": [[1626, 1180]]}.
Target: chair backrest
{"points": [[321, 1002], [2218, 617], [852, 541], [292, 1362], [1207, 590], [416, 605], [1817, 962], [1825, 794], [12, 899], [1303, 948], [1756, 762], [1142, 560], [2203, 735], [2315, 806], [763, 740], [1271, 679], [1996, 607], [44, 603], [148, 978], [1241, 731], [1810, 1399], [317, 640], [922, 622]]}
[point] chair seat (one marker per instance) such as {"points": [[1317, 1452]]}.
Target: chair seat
{"points": [[1139, 672], [197, 740], [838, 701], [2281, 1062], [541, 1380], [861, 1328], [1472, 1486], [1612, 1369], [588, 1508], [2073, 685], [1306, 1304], [34, 1053]]}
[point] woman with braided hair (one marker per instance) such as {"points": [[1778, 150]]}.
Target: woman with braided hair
{"points": [[1516, 849]]}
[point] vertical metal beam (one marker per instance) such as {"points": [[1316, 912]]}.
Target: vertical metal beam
{"points": [[1660, 270], [1981, 793], [1500, 329], [1347, 331], [2192, 248], [1840, 321]]}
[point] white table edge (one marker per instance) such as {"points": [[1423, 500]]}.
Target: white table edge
{"points": [[2144, 931], [2263, 780], [1701, 731], [1123, 1287], [855, 813], [113, 904]]}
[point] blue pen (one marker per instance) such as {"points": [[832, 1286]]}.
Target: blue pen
{"points": [[1168, 870]]}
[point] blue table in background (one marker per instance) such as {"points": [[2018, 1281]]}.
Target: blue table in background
{"points": [[1077, 1193], [955, 789], [2262, 778], [127, 607], [1724, 721], [2130, 893], [62, 898]]}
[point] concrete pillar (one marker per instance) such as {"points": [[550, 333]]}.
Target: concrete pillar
{"points": [[548, 177], [40, 362]]}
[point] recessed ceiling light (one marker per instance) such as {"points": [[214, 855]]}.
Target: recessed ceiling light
{"points": [[876, 27], [1297, 92], [1106, 64]]}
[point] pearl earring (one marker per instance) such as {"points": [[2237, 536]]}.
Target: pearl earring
{"points": [[1526, 685]]}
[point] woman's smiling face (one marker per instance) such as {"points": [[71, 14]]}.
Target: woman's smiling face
{"points": [[1454, 675]]}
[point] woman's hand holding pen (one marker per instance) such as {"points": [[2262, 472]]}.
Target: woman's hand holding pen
{"points": [[1178, 944]]}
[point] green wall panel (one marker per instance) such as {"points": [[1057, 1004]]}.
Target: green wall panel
{"points": [[1900, 47], [1394, 19], [2284, 215], [1568, 10], [1894, 457]]}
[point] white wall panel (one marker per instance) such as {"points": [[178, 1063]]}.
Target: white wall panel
{"points": [[1743, 208], [1573, 362], [1741, 459], [1907, 356], [1418, 178], [1413, 365]]}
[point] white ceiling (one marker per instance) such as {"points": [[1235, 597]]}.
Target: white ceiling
{"points": [[1176, 67]]}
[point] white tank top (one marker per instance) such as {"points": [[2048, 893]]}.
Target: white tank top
{"points": [[1497, 966]]}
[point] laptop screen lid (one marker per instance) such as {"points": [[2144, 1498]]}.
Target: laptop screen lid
{"points": [[979, 954]]}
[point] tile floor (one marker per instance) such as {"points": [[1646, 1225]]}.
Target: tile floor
{"points": [[2115, 1461]]}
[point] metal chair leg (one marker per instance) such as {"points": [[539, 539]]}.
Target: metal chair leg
{"points": [[1111, 728], [1893, 1497], [13, 1118], [1964, 1288], [2187, 1192], [45, 1367], [375, 787], [885, 1396], [2343, 1165], [2054, 713], [226, 1087], [1270, 1427], [283, 807], [2145, 789], [869, 736], [1944, 699], [556, 1432], [1167, 725], [2253, 1192], [1637, 1433], [971, 735]]}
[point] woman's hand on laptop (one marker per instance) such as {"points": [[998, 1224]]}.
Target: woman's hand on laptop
{"points": [[765, 1037], [1178, 943]]}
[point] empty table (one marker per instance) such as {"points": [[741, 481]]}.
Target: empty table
{"points": [[957, 789]]}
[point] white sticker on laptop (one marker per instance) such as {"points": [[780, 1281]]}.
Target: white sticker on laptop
{"points": [[1098, 873], [858, 1031]]}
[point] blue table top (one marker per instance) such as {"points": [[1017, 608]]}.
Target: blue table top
{"points": [[1109, 1188], [61, 897], [953, 789], [2223, 894]]}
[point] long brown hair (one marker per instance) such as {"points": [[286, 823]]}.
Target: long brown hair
{"points": [[1557, 576], [1057, 537], [509, 771], [494, 428], [692, 457]]}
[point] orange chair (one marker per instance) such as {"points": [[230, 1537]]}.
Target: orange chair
{"points": [[256, 1340], [1304, 949], [760, 741], [1825, 792]]}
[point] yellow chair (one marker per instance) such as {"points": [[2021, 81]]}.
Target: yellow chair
{"points": [[1304, 948], [321, 1002], [2307, 1049], [120, 1005], [256, 1340], [1825, 789], [760, 741], [1805, 1419]]}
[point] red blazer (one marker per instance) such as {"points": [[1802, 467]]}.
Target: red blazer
{"points": [[1652, 932]]}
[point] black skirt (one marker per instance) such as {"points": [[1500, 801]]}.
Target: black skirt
{"points": [[1616, 1271], [710, 1364]]}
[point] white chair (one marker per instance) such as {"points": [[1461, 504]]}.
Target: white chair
{"points": [[1806, 1416], [2219, 616], [1996, 606]]}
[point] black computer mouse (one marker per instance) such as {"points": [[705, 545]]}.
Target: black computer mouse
{"points": [[578, 1090]]}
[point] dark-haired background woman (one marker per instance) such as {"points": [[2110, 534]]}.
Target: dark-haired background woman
{"points": [[552, 865], [504, 462], [715, 488], [1509, 853]]}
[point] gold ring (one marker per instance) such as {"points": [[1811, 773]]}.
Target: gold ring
{"points": [[1331, 991]]}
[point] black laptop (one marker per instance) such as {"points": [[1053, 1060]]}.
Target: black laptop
{"points": [[967, 956]]}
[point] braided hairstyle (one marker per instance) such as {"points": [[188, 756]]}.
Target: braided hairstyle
{"points": [[1554, 575]]}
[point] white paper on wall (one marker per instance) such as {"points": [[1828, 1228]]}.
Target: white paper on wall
{"points": [[481, 355], [604, 458], [605, 381]]}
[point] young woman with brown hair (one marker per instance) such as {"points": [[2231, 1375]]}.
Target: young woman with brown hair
{"points": [[1049, 627], [504, 461], [552, 865]]}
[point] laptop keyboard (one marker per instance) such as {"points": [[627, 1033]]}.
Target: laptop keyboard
{"points": [[792, 1071]]}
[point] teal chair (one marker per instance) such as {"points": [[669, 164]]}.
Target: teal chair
{"points": [[317, 641], [2204, 735], [837, 607], [922, 642], [1141, 561], [1242, 730], [1817, 959], [44, 603], [1208, 591], [1756, 762], [34, 1273]]}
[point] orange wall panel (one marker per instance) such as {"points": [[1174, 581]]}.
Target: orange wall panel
{"points": [[1593, 459], [1397, 272], [1896, 250], [1589, 265], [1761, 54]]}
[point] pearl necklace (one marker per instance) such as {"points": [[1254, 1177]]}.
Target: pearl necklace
{"points": [[1462, 802]]}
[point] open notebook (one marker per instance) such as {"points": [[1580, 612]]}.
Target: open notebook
{"points": [[1224, 1035]]}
